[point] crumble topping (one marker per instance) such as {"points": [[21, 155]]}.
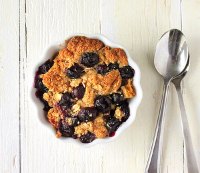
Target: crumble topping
{"points": [[54, 116], [99, 127], [83, 128], [128, 90], [119, 114], [52, 97], [86, 88]]}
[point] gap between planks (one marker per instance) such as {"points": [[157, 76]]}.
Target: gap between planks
{"points": [[22, 59]]}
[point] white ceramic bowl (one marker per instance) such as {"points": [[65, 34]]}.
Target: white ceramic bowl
{"points": [[133, 104]]}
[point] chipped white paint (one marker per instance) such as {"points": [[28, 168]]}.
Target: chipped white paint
{"points": [[137, 25]]}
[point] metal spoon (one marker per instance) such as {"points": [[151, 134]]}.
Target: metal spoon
{"points": [[191, 160], [170, 60]]}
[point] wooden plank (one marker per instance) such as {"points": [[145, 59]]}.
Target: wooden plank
{"points": [[138, 25], [46, 22], [9, 86], [135, 24], [191, 27]]}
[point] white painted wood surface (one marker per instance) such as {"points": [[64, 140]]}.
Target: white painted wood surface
{"points": [[9, 86], [29, 26]]}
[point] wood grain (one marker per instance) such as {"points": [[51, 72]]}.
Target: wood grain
{"points": [[191, 27], [9, 86], [28, 27], [138, 26], [48, 21]]}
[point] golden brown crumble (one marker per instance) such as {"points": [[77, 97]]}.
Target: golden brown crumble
{"points": [[52, 98], [81, 44], [54, 115], [76, 108], [95, 84], [56, 80], [112, 55], [128, 90], [110, 83], [83, 128], [89, 96], [119, 114], [99, 127]]}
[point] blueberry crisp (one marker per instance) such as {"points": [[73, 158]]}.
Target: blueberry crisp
{"points": [[85, 89]]}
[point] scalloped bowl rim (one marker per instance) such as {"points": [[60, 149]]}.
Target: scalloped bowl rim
{"points": [[133, 103]]}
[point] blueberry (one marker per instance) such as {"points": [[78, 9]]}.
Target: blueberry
{"points": [[127, 72], [40, 86], [112, 124], [66, 101], [75, 121], [117, 98], [45, 67], [113, 66], [46, 106], [79, 91], [102, 69], [108, 115], [111, 134], [124, 82], [103, 103], [75, 71], [65, 129], [89, 59], [74, 136], [125, 109], [87, 114], [87, 138], [39, 94], [65, 111], [112, 113]]}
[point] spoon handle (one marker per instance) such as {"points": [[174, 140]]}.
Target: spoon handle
{"points": [[191, 160], [153, 164]]}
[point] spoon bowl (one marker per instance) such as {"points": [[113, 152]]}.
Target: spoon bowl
{"points": [[179, 78], [171, 54]]}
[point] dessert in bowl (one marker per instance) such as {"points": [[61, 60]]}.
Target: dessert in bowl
{"points": [[90, 88]]}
